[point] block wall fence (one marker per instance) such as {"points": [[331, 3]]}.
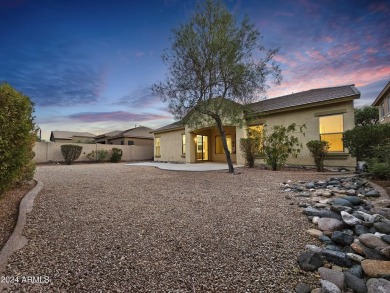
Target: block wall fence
{"points": [[48, 152]]}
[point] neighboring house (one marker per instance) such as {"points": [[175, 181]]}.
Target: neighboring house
{"points": [[135, 136], [326, 112], [70, 136], [382, 102]]}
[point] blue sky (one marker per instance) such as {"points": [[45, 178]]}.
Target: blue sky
{"points": [[88, 64]]}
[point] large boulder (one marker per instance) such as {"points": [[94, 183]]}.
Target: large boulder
{"points": [[349, 219], [329, 287], [310, 261], [342, 238], [376, 268], [333, 276], [371, 241], [355, 283], [378, 285], [382, 227], [337, 257], [330, 224], [342, 202]]}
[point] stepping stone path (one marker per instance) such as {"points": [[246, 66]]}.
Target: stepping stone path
{"points": [[352, 224]]}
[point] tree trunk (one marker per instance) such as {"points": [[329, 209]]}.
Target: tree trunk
{"points": [[225, 146]]}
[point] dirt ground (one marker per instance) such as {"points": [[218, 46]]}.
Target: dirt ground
{"points": [[117, 228]]}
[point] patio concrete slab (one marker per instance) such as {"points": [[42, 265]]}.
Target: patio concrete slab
{"points": [[195, 167]]}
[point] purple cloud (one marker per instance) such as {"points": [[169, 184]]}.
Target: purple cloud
{"points": [[116, 116]]}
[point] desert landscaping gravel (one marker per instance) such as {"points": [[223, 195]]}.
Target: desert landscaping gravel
{"points": [[118, 228]]}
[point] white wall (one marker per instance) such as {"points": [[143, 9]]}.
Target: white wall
{"points": [[46, 152]]}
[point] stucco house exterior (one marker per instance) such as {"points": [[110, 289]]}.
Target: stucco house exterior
{"points": [[382, 102], [71, 137], [134, 136], [326, 112]]}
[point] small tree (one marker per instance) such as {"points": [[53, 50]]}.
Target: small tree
{"points": [[99, 155], [250, 147], [116, 155], [318, 149], [361, 140], [366, 115], [280, 144], [213, 69], [17, 137], [71, 152]]}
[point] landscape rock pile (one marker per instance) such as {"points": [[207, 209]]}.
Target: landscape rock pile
{"points": [[353, 228]]}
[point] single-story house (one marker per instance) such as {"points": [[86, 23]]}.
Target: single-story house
{"points": [[135, 136], [382, 102], [326, 112], [71, 137]]}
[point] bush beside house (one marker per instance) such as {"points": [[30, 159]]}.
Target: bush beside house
{"points": [[17, 137]]}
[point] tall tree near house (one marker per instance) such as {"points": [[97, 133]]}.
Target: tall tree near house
{"points": [[216, 67], [366, 115]]}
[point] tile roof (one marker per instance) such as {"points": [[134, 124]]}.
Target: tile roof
{"points": [[381, 95], [306, 98], [290, 101], [58, 134], [140, 131], [172, 126]]}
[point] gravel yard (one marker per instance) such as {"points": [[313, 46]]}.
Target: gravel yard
{"points": [[117, 228]]}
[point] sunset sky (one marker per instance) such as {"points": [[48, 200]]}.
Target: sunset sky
{"points": [[88, 64]]}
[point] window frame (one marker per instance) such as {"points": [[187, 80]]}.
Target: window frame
{"points": [[157, 147], [223, 151], [330, 133], [183, 144]]}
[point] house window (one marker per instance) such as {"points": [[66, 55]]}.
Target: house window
{"points": [[219, 146], [130, 142], [157, 144], [183, 144], [388, 104], [331, 130], [122, 142], [381, 110], [257, 131]]}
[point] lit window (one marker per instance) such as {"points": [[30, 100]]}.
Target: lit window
{"points": [[331, 130], [219, 146], [257, 131], [382, 110], [157, 144], [183, 144], [388, 104]]}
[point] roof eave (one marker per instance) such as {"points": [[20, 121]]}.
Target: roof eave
{"points": [[304, 106], [168, 130], [381, 95]]}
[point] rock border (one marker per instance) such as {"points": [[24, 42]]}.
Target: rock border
{"points": [[16, 241], [348, 225]]}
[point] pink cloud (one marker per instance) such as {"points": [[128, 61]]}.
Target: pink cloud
{"points": [[328, 39], [285, 60], [372, 50], [315, 55], [115, 116], [327, 77]]}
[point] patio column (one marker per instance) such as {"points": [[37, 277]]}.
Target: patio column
{"points": [[240, 133]]}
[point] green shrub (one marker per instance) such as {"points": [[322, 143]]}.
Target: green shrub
{"points": [[17, 137], [71, 152], [99, 155], [362, 140], [250, 147], [116, 155], [318, 150], [280, 144], [380, 170]]}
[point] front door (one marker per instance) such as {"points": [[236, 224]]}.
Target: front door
{"points": [[202, 148]]}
